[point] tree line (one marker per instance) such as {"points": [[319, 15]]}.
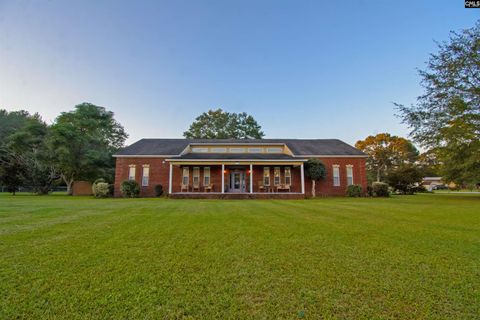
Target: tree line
{"points": [[78, 146]]}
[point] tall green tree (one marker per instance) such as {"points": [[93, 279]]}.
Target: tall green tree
{"points": [[446, 118], [315, 171], [386, 152], [219, 124], [84, 141], [10, 170], [29, 148], [25, 158]]}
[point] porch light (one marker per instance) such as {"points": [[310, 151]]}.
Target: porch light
{"points": [[224, 171]]}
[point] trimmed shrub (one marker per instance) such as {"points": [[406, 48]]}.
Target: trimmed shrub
{"points": [[380, 189], [354, 190], [158, 190], [130, 189], [101, 190]]}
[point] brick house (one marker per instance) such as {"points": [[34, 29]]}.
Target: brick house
{"points": [[227, 168]]}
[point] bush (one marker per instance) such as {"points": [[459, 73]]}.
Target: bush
{"points": [[369, 191], [354, 190], [405, 179], [380, 189], [101, 190], [130, 189], [158, 190], [111, 190]]}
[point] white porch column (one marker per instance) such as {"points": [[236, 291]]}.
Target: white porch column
{"points": [[302, 174], [223, 178], [251, 178], [170, 179]]}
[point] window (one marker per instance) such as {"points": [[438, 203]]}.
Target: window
{"points": [[145, 175], [185, 178], [276, 176], [199, 150], [196, 176], [131, 172], [274, 150], [255, 150], [288, 176], [336, 176], [236, 150], [206, 176], [349, 174], [266, 176], [218, 150]]}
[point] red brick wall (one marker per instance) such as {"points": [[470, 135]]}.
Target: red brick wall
{"points": [[326, 188], [159, 171]]}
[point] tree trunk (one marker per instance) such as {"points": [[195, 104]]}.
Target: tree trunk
{"points": [[69, 187], [378, 175], [313, 188], [69, 183]]}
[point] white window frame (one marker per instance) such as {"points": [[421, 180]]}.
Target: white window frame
{"points": [[132, 172], [349, 175], [274, 150], [145, 175], [206, 174], [266, 176], [218, 150], [196, 176], [199, 150], [288, 176], [255, 150], [276, 176], [336, 175], [185, 176], [236, 150]]}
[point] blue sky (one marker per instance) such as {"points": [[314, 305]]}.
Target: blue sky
{"points": [[303, 69]]}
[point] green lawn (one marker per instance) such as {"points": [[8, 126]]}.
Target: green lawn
{"points": [[79, 258]]}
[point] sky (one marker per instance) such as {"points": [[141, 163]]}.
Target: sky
{"points": [[303, 69]]}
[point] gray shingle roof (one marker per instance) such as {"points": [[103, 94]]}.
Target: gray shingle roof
{"points": [[299, 147]]}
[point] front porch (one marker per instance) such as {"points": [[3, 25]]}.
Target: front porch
{"points": [[236, 180]]}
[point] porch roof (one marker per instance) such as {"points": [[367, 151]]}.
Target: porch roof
{"points": [[236, 158]]}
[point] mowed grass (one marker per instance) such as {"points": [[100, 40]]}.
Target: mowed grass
{"points": [[80, 258]]}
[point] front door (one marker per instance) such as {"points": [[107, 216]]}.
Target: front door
{"points": [[237, 181]]}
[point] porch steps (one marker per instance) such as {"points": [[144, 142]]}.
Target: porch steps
{"points": [[237, 196]]}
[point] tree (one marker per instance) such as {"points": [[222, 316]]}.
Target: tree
{"points": [[23, 152], [10, 175], [219, 124], [386, 152], [446, 118], [405, 178], [429, 164], [84, 141], [28, 153], [315, 170], [10, 170]]}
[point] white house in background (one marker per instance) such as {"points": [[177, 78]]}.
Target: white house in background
{"points": [[430, 182]]}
